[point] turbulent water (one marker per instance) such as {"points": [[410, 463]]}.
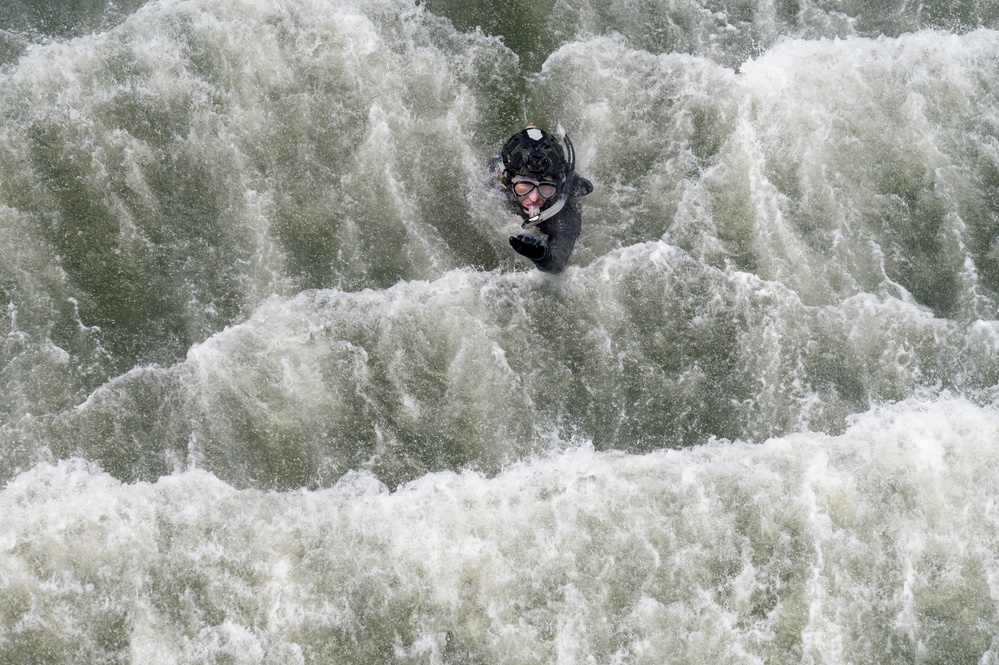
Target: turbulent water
{"points": [[275, 389]]}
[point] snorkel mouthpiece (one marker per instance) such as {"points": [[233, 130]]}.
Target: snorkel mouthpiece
{"points": [[536, 218]]}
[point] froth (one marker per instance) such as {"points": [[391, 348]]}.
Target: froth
{"points": [[582, 554]]}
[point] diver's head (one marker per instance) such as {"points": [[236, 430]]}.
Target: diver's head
{"points": [[535, 168], [534, 153]]}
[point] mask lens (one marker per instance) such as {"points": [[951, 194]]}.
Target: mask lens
{"points": [[524, 187]]}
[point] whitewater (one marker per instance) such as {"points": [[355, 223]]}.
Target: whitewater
{"points": [[275, 389]]}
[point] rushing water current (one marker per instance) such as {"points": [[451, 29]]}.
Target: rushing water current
{"points": [[275, 389]]}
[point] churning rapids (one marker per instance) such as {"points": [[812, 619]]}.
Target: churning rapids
{"points": [[275, 389]]}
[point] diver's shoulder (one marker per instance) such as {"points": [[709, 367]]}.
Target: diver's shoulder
{"points": [[580, 186]]}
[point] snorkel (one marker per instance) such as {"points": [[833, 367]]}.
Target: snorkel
{"points": [[536, 215]]}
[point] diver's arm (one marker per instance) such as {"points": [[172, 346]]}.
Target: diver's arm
{"points": [[530, 246], [562, 231]]}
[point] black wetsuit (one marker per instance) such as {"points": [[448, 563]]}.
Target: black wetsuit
{"points": [[561, 230]]}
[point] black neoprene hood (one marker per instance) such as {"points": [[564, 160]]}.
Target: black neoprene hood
{"points": [[534, 153]]}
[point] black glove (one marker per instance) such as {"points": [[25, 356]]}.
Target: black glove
{"points": [[530, 246]]}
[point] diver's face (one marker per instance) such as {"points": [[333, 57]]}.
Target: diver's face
{"points": [[532, 194]]}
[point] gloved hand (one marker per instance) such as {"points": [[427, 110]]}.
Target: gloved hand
{"points": [[530, 246]]}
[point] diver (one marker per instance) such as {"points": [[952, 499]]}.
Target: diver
{"points": [[543, 184]]}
